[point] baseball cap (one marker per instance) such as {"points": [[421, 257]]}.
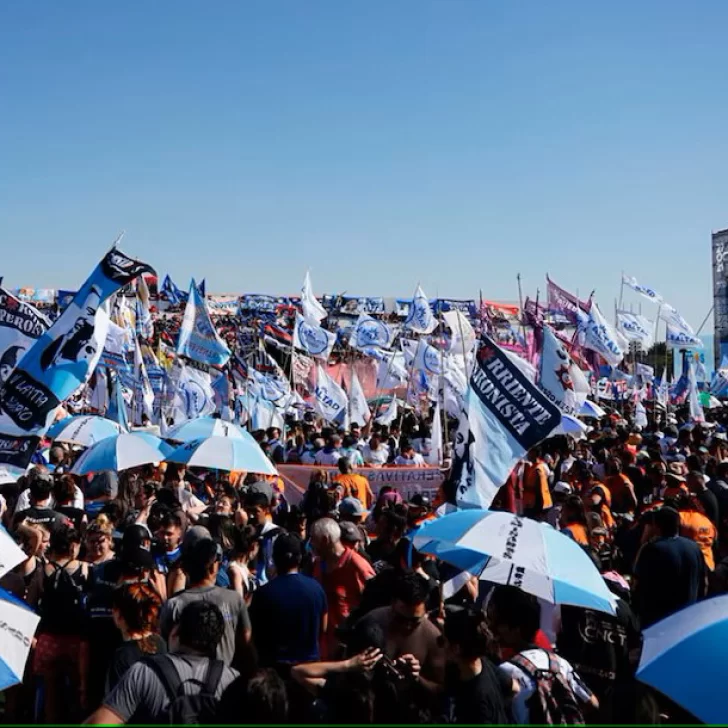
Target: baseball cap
{"points": [[287, 547], [261, 486], [134, 536], [137, 556], [194, 535], [350, 533], [562, 487], [350, 506]]}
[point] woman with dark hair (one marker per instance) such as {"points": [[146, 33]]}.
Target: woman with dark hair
{"points": [[62, 648], [472, 685], [245, 551], [135, 609], [64, 493], [574, 522]]}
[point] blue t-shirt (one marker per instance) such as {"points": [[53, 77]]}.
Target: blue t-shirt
{"points": [[286, 615]]}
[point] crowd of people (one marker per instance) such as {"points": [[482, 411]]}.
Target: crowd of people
{"points": [[169, 595]]}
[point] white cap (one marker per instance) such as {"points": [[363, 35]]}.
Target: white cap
{"points": [[562, 487]]}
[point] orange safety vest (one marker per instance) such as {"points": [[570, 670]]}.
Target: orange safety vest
{"points": [[536, 491], [579, 532], [699, 528]]}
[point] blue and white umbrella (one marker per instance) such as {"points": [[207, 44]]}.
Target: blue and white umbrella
{"points": [[204, 427], [506, 549], [121, 452], [592, 409], [695, 636], [19, 623], [84, 430], [10, 553], [224, 453]]}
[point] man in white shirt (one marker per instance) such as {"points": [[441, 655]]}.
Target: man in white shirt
{"points": [[331, 454], [409, 458], [376, 453]]}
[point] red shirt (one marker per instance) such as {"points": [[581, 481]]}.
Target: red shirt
{"points": [[541, 640]]}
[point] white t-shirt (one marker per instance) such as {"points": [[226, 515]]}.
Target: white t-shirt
{"points": [[189, 501], [23, 502], [540, 659], [328, 458], [416, 461], [376, 457]]}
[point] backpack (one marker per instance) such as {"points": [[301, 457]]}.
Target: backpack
{"points": [[63, 603], [553, 702], [183, 709]]}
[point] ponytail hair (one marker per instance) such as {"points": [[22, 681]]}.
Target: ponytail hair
{"points": [[139, 604], [468, 630]]}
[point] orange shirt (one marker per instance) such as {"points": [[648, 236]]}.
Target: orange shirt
{"points": [[357, 486], [622, 492], [536, 491], [699, 528], [579, 533]]}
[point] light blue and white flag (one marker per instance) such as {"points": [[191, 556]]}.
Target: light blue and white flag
{"points": [[635, 328], [693, 397], [370, 332], [358, 407], [392, 371], [678, 339], [311, 338], [409, 349], [192, 393], [143, 392], [719, 384], [329, 399], [505, 416], [644, 370], [559, 378], [389, 414], [144, 325], [420, 318], [649, 293], [670, 316], [600, 336], [662, 391], [463, 338], [198, 338], [171, 292], [117, 405], [312, 309], [20, 327], [436, 454], [61, 360], [427, 358]]}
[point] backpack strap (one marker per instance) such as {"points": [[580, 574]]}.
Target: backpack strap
{"points": [[165, 670], [526, 665], [213, 676], [553, 663]]}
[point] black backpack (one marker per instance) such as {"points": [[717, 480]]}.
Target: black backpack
{"points": [[198, 709], [63, 603], [553, 702]]}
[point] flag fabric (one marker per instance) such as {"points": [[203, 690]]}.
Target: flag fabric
{"points": [[696, 409], [143, 393], [420, 318], [329, 398], [435, 456], [144, 325], [392, 371], [649, 293], [198, 338], [427, 358], [170, 291], [505, 416], [20, 327], [645, 371], [61, 360], [559, 378], [600, 336], [463, 337], [192, 393], [312, 309], [389, 414], [311, 338], [719, 383], [672, 318], [640, 415], [358, 407], [662, 391], [368, 332], [635, 328], [117, 404], [678, 339], [565, 303]]}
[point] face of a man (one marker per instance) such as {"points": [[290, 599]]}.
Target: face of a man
{"points": [[170, 537], [257, 514], [407, 618]]}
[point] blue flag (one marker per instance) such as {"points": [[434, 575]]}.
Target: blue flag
{"points": [[198, 338], [117, 405], [173, 294], [61, 360]]}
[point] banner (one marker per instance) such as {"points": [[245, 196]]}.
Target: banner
{"points": [[420, 318], [563, 302], [678, 339], [20, 326], [369, 331], [559, 378], [60, 361], [408, 482], [506, 415], [635, 328], [311, 338], [355, 305], [198, 338], [649, 293]]}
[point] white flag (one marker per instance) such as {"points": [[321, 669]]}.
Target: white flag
{"points": [[670, 316], [696, 409], [420, 318], [435, 456], [311, 338], [389, 415], [330, 400], [143, 393], [427, 358], [649, 293], [369, 331], [198, 337], [600, 336], [635, 328], [312, 309], [677, 339], [463, 337], [192, 392], [559, 378], [392, 371], [358, 407]]}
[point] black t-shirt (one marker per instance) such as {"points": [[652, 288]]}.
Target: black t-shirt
{"points": [[708, 500], [129, 654], [47, 517], [74, 515], [477, 700]]}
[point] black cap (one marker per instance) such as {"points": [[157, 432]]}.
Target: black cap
{"points": [[287, 547], [134, 536], [137, 557]]}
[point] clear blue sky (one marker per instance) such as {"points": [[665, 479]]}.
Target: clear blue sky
{"points": [[381, 143]]}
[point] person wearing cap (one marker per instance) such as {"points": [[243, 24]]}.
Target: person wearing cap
{"points": [[355, 485], [258, 505], [560, 493], [289, 613]]}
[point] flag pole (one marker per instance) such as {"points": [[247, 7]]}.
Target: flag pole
{"points": [[520, 306]]}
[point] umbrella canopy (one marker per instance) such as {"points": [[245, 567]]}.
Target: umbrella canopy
{"points": [[592, 409], [121, 452], [571, 426], [10, 553], [700, 631], [84, 430], [507, 549], [224, 453], [204, 427], [20, 623]]}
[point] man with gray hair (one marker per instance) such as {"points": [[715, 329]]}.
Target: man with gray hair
{"points": [[342, 572]]}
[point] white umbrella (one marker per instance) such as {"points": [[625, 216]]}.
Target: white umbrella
{"points": [[224, 453], [10, 553], [592, 409], [204, 427], [121, 452], [84, 430], [19, 623]]}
